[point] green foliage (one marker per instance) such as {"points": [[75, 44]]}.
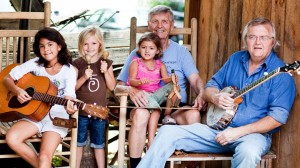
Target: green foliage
{"points": [[56, 161], [173, 4]]}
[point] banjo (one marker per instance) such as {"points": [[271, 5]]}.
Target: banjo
{"points": [[219, 118]]}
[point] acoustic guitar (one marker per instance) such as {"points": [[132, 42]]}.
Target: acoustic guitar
{"points": [[219, 118], [43, 93]]}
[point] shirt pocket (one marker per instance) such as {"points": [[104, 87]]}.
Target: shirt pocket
{"points": [[260, 97]]}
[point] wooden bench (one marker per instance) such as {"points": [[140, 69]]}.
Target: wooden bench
{"points": [[175, 159], [266, 161]]}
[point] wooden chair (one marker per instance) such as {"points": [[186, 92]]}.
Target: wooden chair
{"points": [[16, 47], [174, 160], [190, 41]]}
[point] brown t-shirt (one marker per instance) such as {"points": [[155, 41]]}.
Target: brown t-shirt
{"points": [[94, 89]]}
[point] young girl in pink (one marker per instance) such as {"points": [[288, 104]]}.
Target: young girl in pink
{"points": [[146, 72]]}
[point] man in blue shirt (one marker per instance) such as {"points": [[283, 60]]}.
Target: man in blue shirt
{"points": [[262, 111]]}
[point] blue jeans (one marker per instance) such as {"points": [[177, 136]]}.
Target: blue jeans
{"points": [[200, 138], [97, 131]]}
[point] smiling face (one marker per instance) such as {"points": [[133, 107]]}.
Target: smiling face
{"points": [[49, 49], [148, 50], [91, 46], [161, 25], [260, 42]]}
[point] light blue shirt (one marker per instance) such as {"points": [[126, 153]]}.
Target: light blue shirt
{"points": [[274, 97], [175, 57]]}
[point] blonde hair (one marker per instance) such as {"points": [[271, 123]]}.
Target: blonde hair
{"points": [[87, 33]]}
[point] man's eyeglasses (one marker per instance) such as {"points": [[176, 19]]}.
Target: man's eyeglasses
{"points": [[261, 38]]}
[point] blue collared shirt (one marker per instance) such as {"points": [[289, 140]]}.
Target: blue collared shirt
{"points": [[274, 97]]}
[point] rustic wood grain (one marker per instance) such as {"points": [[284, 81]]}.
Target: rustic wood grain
{"points": [[219, 35], [290, 133], [204, 59]]}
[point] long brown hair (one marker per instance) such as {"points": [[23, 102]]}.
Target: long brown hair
{"points": [[64, 56]]}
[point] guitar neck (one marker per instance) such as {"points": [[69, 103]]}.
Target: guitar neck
{"points": [[253, 85], [55, 100]]}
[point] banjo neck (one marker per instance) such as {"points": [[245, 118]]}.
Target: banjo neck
{"points": [[253, 85], [218, 118]]}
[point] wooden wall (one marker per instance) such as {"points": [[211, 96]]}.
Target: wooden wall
{"points": [[219, 35]]}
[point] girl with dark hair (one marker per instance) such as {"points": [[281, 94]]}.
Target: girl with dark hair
{"points": [[52, 61], [145, 73], [64, 57]]}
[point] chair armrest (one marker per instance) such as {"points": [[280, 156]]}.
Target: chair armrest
{"points": [[75, 115], [122, 126], [121, 94]]}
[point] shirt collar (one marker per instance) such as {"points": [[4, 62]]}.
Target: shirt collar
{"points": [[245, 59]]}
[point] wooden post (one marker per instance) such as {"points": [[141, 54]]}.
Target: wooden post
{"points": [[23, 25], [88, 156]]}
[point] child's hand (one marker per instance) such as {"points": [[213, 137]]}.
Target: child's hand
{"points": [[144, 80], [22, 95], [103, 67], [88, 73], [71, 107]]}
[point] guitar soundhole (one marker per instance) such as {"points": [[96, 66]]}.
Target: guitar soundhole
{"points": [[30, 91], [14, 103]]}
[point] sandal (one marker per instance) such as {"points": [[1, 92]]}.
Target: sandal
{"points": [[168, 120]]}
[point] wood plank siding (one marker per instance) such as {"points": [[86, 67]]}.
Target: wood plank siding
{"points": [[220, 24]]}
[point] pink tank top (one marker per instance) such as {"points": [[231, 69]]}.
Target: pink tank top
{"points": [[145, 72]]}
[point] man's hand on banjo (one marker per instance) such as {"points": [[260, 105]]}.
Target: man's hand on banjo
{"points": [[223, 100]]}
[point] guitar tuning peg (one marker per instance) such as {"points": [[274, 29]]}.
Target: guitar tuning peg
{"points": [[89, 116], [266, 73]]}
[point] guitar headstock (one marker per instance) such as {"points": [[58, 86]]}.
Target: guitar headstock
{"points": [[96, 111], [294, 67]]}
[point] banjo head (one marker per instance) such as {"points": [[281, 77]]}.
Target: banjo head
{"points": [[219, 118], [214, 115]]}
